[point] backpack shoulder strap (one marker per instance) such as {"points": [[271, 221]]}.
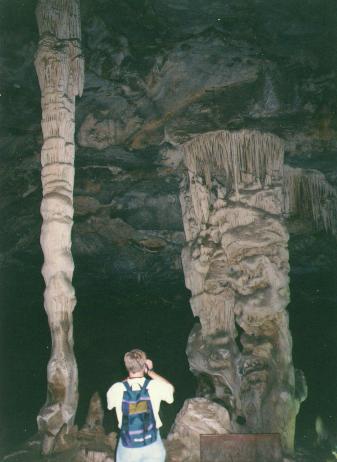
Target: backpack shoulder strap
{"points": [[126, 385], [145, 384]]}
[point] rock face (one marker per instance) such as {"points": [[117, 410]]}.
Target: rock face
{"points": [[59, 66], [236, 266], [157, 73], [308, 194], [94, 420], [198, 415]]}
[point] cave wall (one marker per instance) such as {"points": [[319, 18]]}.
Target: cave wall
{"points": [[156, 74]]}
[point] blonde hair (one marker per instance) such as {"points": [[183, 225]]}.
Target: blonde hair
{"points": [[135, 360]]}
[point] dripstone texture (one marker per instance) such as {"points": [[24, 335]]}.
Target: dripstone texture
{"points": [[236, 266], [197, 416], [157, 74], [59, 65]]}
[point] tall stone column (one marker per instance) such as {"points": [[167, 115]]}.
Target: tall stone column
{"points": [[236, 266], [60, 69]]}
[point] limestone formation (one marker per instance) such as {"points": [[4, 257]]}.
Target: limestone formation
{"points": [[94, 445], [95, 417], [198, 416], [107, 129], [308, 194], [60, 68], [236, 266], [94, 456]]}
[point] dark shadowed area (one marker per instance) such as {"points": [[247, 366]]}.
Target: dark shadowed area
{"points": [[156, 73]]}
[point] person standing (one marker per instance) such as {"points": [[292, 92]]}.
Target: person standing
{"points": [[137, 401]]}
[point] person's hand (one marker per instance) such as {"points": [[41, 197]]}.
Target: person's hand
{"points": [[148, 365]]}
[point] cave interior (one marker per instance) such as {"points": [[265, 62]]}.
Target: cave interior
{"points": [[158, 73]]}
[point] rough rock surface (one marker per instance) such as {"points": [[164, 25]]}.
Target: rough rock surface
{"points": [[59, 65], [197, 416], [153, 67], [236, 266]]}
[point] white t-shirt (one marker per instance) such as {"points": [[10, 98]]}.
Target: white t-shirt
{"points": [[158, 391]]}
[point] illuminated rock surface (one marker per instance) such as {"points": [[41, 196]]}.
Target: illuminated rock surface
{"points": [[197, 416], [236, 267], [157, 74], [60, 69]]}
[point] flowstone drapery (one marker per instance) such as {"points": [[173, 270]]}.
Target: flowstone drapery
{"points": [[60, 68], [308, 194], [236, 266]]}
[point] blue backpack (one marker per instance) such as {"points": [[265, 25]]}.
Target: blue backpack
{"points": [[138, 422]]}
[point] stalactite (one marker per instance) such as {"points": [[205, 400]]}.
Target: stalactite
{"points": [[308, 194], [60, 69], [236, 265], [244, 156]]}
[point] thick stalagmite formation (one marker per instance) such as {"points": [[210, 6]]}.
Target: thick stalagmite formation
{"points": [[197, 416], [236, 266], [60, 68]]}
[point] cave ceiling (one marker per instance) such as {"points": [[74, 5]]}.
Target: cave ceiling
{"points": [[157, 73]]}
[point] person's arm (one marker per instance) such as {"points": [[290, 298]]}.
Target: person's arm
{"points": [[114, 395], [153, 375]]}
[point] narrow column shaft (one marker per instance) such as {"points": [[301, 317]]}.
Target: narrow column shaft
{"points": [[59, 66]]}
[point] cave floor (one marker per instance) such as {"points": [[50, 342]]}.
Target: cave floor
{"points": [[94, 451]]}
